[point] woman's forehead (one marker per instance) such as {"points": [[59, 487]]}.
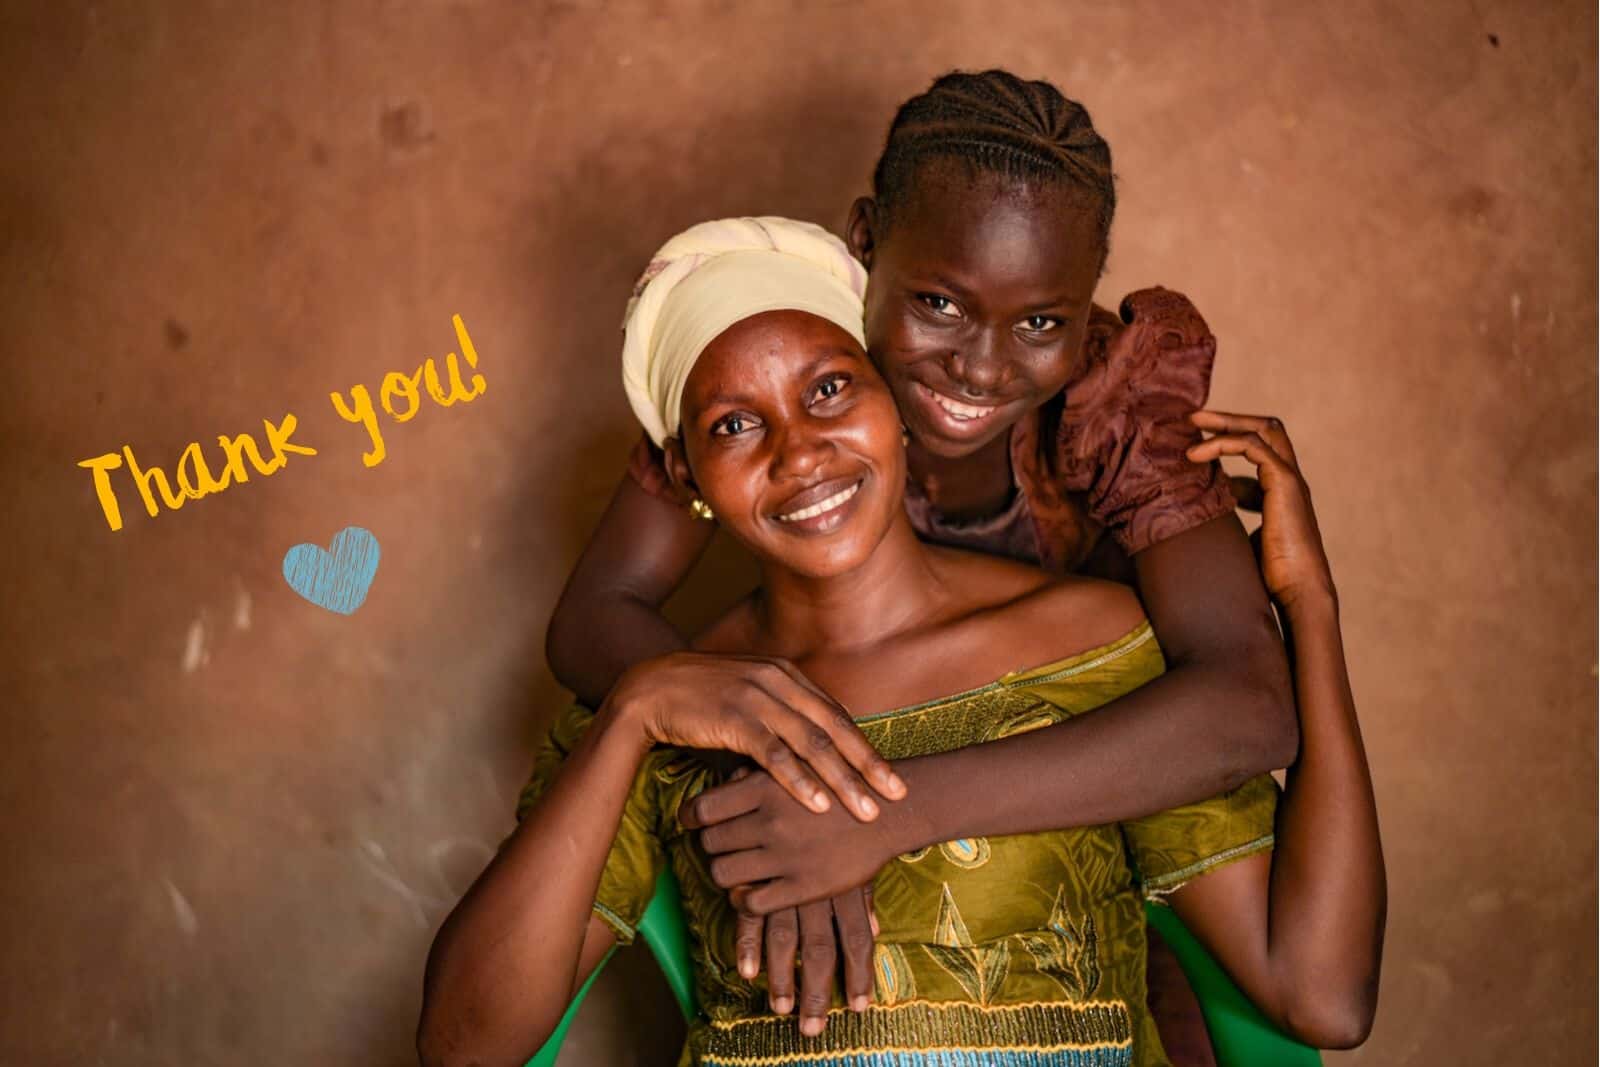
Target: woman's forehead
{"points": [[762, 350]]}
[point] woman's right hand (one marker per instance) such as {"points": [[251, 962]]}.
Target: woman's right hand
{"points": [[766, 710]]}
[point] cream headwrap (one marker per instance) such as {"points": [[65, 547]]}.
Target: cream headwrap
{"points": [[718, 273]]}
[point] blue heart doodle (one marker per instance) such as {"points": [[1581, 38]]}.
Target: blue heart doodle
{"points": [[336, 580]]}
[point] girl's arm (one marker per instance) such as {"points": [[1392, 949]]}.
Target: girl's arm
{"points": [[643, 549], [1301, 929], [522, 940], [1212, 722]]}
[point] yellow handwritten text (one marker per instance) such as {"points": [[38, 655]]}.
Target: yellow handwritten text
{"points": [[194, 477], [404, 387]]}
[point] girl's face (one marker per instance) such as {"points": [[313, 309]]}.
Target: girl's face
{"points": [[977, 300], [792, 438]]}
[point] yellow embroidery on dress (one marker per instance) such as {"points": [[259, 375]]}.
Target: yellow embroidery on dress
{"points": [[969, 853], [1036, 718], [892, 978], [979, 971], [1072, 956]]}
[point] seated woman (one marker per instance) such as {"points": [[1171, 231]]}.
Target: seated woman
{"points": [[746, 362]]}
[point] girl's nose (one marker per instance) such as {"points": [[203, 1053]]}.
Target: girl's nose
{"points": [[978, 366]]}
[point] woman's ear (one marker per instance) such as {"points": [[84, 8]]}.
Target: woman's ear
{"points": [[861, 232], [678, 474]]}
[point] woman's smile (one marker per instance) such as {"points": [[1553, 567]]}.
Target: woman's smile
{"points": [[822, 508]]}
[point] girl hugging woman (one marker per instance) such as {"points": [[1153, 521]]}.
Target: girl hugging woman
{"points": [[997, 937]]}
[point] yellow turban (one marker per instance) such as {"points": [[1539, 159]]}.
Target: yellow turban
{"points": [[719, 273]]}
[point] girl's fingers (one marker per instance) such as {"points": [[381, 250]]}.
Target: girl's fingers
{"points": [[721, 803], [1268, 427], [1247, 493], [817, 959], [872, 911], [734, 835], [747, 944], [777, 893], [853, 918], [742, 868], [783, 939], [1249, 445]]}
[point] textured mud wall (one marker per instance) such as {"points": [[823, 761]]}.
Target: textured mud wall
{"points": [[232, 820]]}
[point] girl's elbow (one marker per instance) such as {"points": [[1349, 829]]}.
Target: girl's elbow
{"points": [[1332, 1020]]}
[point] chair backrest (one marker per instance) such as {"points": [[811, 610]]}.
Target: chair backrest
{"points": [[1240, 1035]]}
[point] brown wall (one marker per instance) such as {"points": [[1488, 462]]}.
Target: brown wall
{"points": [[232, 820]]}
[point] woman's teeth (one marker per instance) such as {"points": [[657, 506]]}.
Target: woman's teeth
{"points": [[959, 411], [821, 507]]}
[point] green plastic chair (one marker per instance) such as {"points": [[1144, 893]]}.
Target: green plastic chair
{"points": [[1240, 1035]]}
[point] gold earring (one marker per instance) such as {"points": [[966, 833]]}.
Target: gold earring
{"points": [[701, 510], [905, 435]]}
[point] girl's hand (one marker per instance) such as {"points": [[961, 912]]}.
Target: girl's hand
{"points": [[764, 709], [758, 836], [1293, 563]]}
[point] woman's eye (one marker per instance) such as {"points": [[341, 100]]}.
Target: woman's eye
{"points": [[939, 305], [831, 387], [732, 425], [1041, 323]]}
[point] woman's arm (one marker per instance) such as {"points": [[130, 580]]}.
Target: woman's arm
{"points": [[1301, 931], [517, 947], [609, 620]]}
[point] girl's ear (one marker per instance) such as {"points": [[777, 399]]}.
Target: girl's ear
{"points": [[678, 473], [861, 232]]}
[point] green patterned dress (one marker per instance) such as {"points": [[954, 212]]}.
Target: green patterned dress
{"points": [[1021, 951]]}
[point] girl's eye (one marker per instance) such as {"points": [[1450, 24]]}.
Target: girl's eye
{"points": [[731, 425], [939, 305], [1041, 323]]}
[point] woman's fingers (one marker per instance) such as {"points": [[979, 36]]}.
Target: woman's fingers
{"points": [[817, 960], [822, 745], [853, 918], [842, 731], [783, 940], [1268, 427], [747, 944], [766, 730]]}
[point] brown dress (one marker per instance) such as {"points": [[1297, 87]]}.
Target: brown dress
{"points": [[1104, 454]]}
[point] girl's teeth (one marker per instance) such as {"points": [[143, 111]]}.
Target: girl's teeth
{"points": [[965, 412], [821, 506]]}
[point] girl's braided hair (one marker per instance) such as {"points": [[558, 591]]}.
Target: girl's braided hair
{"points": [[1025, 131]]}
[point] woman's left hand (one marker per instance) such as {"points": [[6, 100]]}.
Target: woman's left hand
{"points": [[1293, 563], [760, 836]]}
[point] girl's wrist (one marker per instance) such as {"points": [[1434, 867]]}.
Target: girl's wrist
{"points": [[1318, 602], [907, 824]]}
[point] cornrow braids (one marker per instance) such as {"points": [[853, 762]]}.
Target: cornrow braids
{"points": [[998, 124]]}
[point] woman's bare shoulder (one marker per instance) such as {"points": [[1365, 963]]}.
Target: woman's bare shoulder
{"points": [[1023, 617]]}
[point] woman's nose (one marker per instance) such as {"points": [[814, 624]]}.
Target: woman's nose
{"points": [[800, 451]]}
